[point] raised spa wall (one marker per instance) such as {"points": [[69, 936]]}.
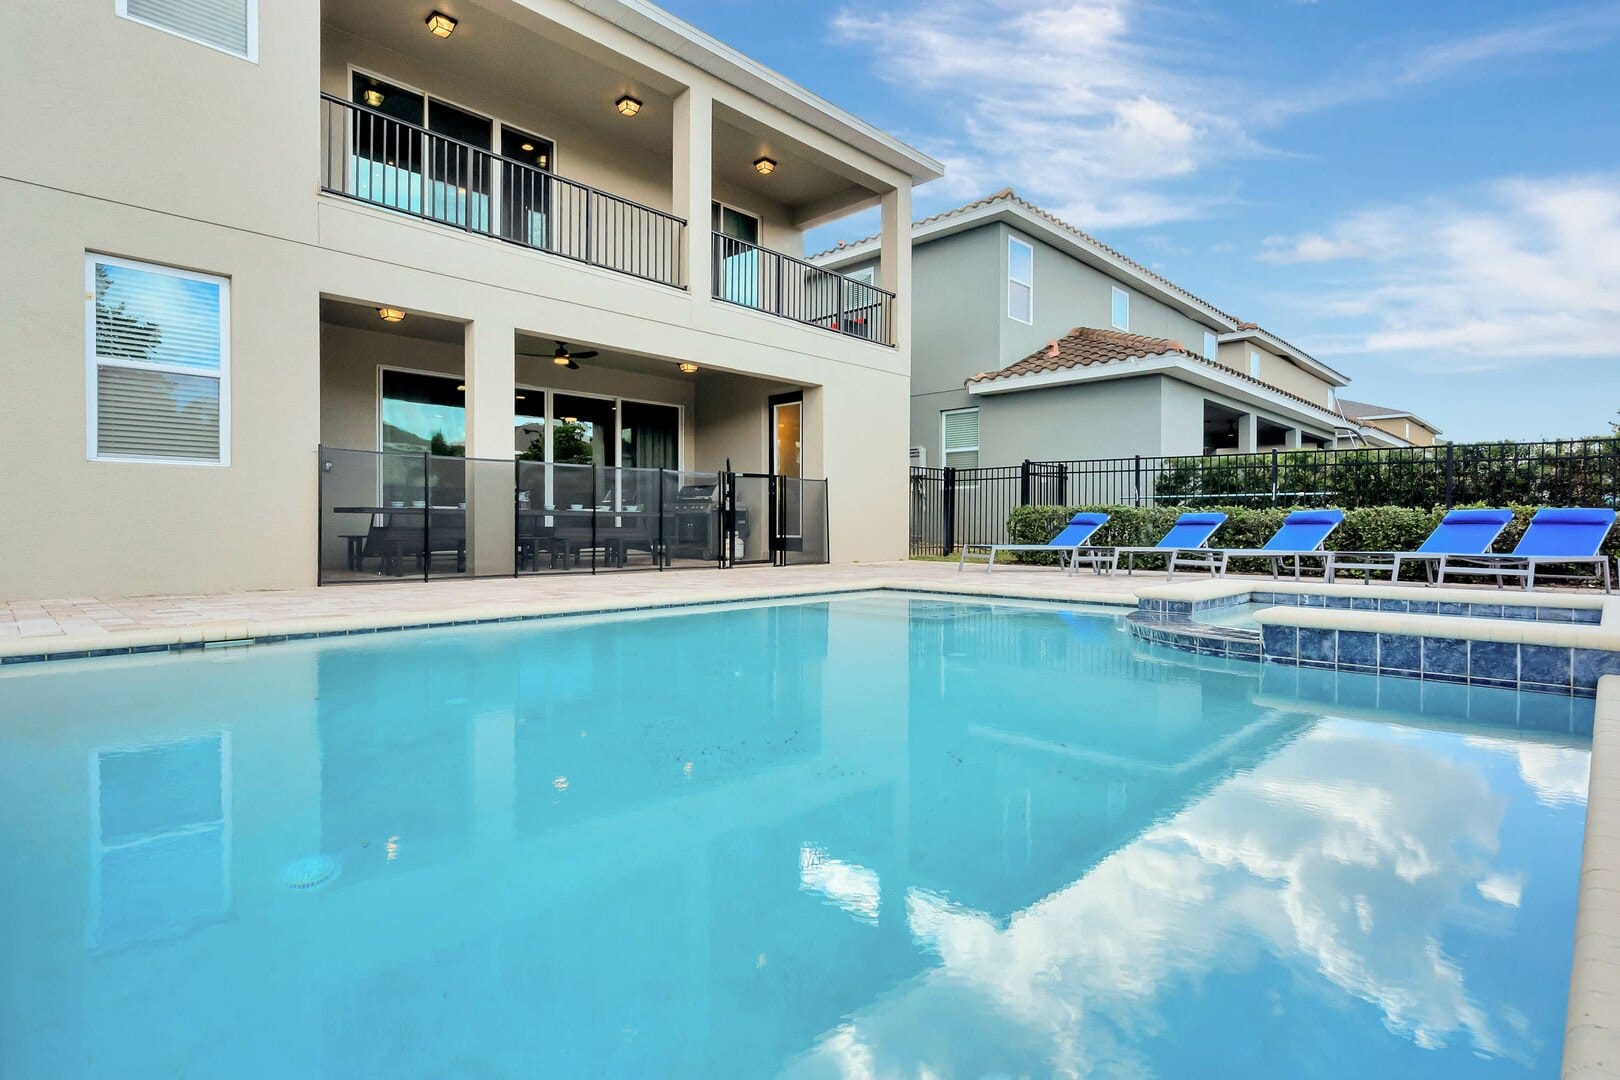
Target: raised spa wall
{"points": [[1557, 643]]}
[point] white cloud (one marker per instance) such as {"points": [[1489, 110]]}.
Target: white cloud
{"points": [[1096, 108], [1515, 271]]}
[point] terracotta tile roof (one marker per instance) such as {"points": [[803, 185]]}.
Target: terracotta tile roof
{"points": [[1086, 346], [1008, 195]]}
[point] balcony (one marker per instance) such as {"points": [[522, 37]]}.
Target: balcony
{"points": [[751, 276], [377, 159]]}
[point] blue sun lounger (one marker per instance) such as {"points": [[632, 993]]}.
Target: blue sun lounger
{"points": [[1460, 532], [1191, 532], [1300, 537], [1065, 544], [1556, 535]]}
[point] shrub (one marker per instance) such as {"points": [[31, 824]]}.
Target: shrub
{"points": [[1368, 528]]}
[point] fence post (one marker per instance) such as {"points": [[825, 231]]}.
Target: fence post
{"points": [[947, 503], [1274, 477], [1023, 483], [1451, 476], [1137, 481]]}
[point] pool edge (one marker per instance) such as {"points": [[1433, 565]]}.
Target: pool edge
{"points": [[1592, 1022]]}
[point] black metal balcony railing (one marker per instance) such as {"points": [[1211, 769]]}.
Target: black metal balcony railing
{"points": [[751, 276], [374, 158]]}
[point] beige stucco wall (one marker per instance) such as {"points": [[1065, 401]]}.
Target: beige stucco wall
{"points": [[1402, 427], [1277, 370], [207, 162]]}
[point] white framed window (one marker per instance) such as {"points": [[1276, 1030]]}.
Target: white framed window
{"points": [[1020, 280], [959, 436], [866, 275], [1210, 345], [157, 352], [1254, 363], [1120, 316], [231, 26]]}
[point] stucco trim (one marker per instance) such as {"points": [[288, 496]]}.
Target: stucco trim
{"points": [[1178, 366]]}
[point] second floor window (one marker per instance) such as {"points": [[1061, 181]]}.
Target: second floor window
{"points": [[1210, 345], [1120, 316], [230, 26], [1254, 364], [1020, 280]]}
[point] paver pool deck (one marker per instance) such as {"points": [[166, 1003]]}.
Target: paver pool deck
{"points": [[79, 625]]}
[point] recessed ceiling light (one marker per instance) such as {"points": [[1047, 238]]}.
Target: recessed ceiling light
{"points": [[528, 146], [688, 368], [764, 166], [628, 105], [441, 25], [390, 314]]}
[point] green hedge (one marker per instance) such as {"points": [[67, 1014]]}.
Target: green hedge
{"points": [[1371, 528]]}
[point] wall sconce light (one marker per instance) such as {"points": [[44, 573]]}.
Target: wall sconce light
{"points": [[390, 314], [688, 368], [441, 25], [374, 98], [628, 105], [764, 166]]}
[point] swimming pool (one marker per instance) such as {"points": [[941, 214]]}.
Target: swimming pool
{"points": [[873, 834]]}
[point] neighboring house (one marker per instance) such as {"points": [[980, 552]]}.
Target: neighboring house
{"points": [[240, 230], [1032, 340], [1384, 425]]}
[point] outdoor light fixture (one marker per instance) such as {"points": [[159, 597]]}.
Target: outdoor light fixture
{"points": [[374, 98], [390, 314], [462, 389], [528, 146], [688, 368], [440, 25], [628, 105], [764, 166]]}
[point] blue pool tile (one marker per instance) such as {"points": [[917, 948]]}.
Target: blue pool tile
{"points": [[1393, 605], [1585, 691], [1399, 652], [1358, 669], [1449, 608], [1590, 616], [1313, 601], [1289, 660], [1358, 647], [1318, 645], [1544, 664], [1280, 641], [1590, 665], [1555, 614], [1445, 656], [1340, 603], [1363, 603], [1496, 660], [1523, 614], [1500, 684], [1485, 611], [1422, 607]]}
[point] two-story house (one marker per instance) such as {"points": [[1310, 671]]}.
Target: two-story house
{"points": [[1032, 340], [274, 267], [1367, 424]]}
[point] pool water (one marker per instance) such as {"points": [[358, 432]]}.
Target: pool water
{"points": [[1239, 616], [872, 835]]}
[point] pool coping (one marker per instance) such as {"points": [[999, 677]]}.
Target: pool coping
{"points": [[1592, 1021]]}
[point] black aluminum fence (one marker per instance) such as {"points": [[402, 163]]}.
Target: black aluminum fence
{"points": [[387, 516], [950, 507], [375, 158], [751, 276]]}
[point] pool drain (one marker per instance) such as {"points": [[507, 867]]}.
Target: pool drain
{"points": [[310, 873]]}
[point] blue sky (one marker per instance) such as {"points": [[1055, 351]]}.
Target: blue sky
{"points": [[1424, 194]]}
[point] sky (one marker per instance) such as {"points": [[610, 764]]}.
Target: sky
{"points": [[1424, 194]]}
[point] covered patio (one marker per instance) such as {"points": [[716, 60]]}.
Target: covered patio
{"points": [[593, 458]]}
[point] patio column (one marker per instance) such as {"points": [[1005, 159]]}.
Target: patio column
{"points": [[692, 185], [1293, 439], [1248, 433], [894, 269], [489, 372]]}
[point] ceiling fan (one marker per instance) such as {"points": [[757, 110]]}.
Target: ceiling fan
{"points": [[563, 358]]}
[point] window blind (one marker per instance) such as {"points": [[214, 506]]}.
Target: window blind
{"points": [[158, 362], [962, 438], [223, 24]]}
